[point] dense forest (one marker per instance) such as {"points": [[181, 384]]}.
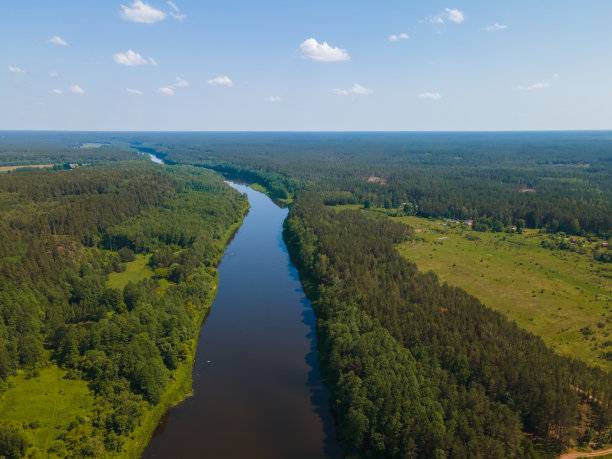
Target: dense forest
{"points": [[415, 368], [419, 369], [62, 234]]}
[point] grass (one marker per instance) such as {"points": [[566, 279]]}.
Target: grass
{"points": [[34, 166], [551, 293], [48, 399], [135, 271]]}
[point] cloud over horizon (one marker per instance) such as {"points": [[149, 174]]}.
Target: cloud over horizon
{"points": [[15, 69], [142, 12], [131, 59], [495, 27], [448, 14], [221, 81], [531, 87], [356, 89], [322, 52], [430, 96], [76, 89], [398, 37], [57, 41]]}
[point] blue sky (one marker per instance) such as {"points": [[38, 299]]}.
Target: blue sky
{"points": [[317, 65]]}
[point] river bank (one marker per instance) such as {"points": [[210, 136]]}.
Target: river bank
{"points": [[256, 375]]}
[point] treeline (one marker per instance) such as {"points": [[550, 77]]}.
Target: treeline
{"points": [[61, 234], [558, 181], [420, 369]]}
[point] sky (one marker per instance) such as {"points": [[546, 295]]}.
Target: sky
{"points": [[335, 65]]}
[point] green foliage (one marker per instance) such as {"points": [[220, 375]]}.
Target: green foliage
{"points": [[13, 441], [63, 239], [420, 369]]}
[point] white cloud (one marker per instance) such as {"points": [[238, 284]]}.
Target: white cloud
{"points": [[166, 91], [448, 14], [153, 61], [129, 58], [134, 91], [221, 81], [53, 74], [322, 52], [55, 91], [57, 41], [15, 69], [76, 89], [533, 86], [142, 12], [356, 89], [176, 14], [169, 90], [401, 36], [180, 83], [556, 75], [272, 99], [430, 96], [495, 27], [455, 16]]}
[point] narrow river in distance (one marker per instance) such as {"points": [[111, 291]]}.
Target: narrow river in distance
{"points": [[257, 388]]}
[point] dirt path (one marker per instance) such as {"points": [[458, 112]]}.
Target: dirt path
{"points": [[603, 452]]}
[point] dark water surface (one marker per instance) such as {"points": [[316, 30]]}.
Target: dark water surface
{"points": [[257, 389]]}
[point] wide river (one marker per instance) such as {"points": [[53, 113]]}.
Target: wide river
{"points": [[256, 382]]}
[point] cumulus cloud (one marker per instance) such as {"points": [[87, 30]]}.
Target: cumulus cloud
{"points": [[129, 58], [57, 41], [398, 37], [272, 99], [142, 12], [495, 27], [430, 96], [533, 86], [180, 83], [15, 69], [221, 81], [166, 91], [448, 14], [322, 52], [55, 91], [53, 74], [153, 61], [356, 89], [76, 89], [169, 90], [176, 12], [134, 91]]}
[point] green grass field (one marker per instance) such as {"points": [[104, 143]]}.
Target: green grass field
{"points": [[552, 293], [135, 271], [49, 400]]}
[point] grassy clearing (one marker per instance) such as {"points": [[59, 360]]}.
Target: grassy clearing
{"points": [[135, 271], [34, 166], [552, 293], [49, 400]]}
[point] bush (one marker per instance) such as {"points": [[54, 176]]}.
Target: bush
{"points": [[126, 255]]}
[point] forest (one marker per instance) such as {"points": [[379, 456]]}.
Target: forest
{"points": [[415, 367], [420, 369], [62, 233]]}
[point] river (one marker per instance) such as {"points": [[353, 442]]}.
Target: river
{"points": [[256, 382]]}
